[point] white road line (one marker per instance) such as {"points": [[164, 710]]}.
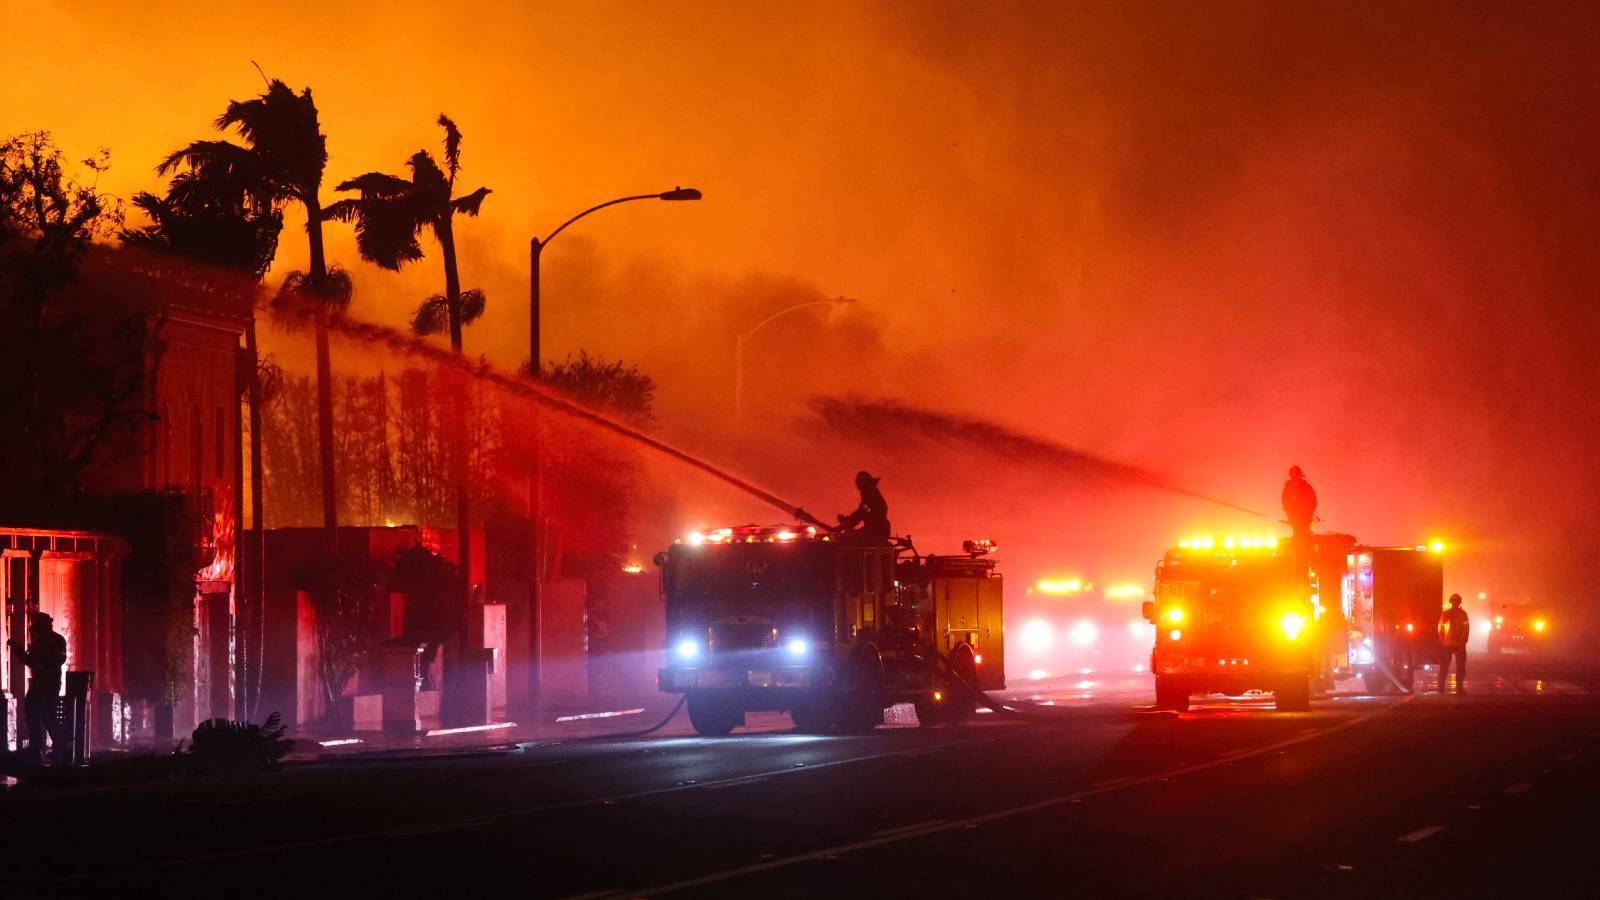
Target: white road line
{"points": [[1517, 788], [890, 832], [975, 821], [1421, 834]]}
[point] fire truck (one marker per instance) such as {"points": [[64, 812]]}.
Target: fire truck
{"points": [[832, 630], [1288, 616]]}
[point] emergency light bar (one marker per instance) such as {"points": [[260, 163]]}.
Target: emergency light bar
{"points": [[755, 534]]}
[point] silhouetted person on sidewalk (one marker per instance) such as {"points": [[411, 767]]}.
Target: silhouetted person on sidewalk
{"points": [[870, 521], [45, 656], [1299, 502], [1453, 630]]}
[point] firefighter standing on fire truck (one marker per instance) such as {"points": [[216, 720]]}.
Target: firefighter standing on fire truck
{"points": [[870, 521], [1299, 502], [1453, 629]]}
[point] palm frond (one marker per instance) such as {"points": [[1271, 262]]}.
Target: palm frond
{"points": [[282, 129], [472, 304], [378, 185], [469, 203], [429, 185], [452, 145], [432, 317]]}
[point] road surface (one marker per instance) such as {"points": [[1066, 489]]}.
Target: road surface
{"points": [[1489, 794]]}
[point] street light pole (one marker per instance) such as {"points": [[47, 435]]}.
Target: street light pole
{"points": [[738, 354], [536, 247]]}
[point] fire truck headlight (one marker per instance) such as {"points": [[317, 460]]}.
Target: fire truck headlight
{"points": [[1292, 624], [1175, 634], [1538, 625], [798, 646], [1037, 636], [688, 648], [1175, 615], [1084, 633]]}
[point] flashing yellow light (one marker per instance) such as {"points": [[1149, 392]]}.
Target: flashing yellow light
{"points": [[1228, 543], [1272, 543], [1124, 591], [1538, 624], [1410, 627], [1499, 620], [696, 538], [633, 568], [977, 660], [1174, 615], [787, 535], [1183, 544], [1293, 624], [1058, 586], [1437, 546], [938, 696]]}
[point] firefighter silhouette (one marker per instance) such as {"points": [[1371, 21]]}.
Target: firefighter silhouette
{"points": [[1454, 626], [45, 656], [870, 521], [1299, 502]]}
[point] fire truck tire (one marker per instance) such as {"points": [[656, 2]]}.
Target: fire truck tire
{"points": [[1375, 682], [713, 716], [861, 709], [814, 715], [1293, 695], [1171, 695]]}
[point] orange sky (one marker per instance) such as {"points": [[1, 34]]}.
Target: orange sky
{"points": [[1212, 239]]}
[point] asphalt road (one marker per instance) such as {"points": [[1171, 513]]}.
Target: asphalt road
{"points": [[1490, 794]]}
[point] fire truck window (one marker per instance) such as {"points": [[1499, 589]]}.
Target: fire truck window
{"points": [[850, 575]]}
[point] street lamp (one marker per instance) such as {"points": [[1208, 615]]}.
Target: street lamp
{"points": [[536, 247], [738, 354], [536, 250]]}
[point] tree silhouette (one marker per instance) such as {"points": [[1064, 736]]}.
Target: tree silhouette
{"points": [[282, 161], [391, 213], [222, 217]]}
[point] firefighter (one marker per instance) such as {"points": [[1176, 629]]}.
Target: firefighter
{"points": [[1453, 629], [1299, 502], [45, 656], [870, 521]]}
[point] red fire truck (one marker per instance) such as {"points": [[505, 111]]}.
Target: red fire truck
{"points": [[832, 630], [1238, 614]]}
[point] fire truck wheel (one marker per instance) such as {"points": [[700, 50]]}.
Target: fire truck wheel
{"points": [[713, 716], [861, 710], [1293, 695], [1375, 682], [812, 716], [1171, 695]]}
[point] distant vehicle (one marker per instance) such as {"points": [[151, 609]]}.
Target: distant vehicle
{"points": [[1067, 627], [1288, 616], [833, 631], [1519, 626]]}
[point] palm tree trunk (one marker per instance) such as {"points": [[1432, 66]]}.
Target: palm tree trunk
{"points": [[452, 292], [256, 589], [319, 277]]}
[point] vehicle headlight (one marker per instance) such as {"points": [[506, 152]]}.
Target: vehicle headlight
{"points": [[688, 648], [1084, 633], [1037, 636], [1292, 624], [798, 646], [1539, 624]]}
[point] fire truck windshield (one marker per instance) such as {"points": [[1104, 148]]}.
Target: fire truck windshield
{"points": [[746, 575]]}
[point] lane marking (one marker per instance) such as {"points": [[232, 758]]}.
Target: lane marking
{"points": [[1517, 788], [998, 815], [916, 826], [1421, 834]]}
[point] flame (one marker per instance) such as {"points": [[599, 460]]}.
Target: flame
{"points": [[224, 527]]}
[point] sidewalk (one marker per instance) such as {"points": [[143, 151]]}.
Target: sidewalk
{"points": [[601, 718]]}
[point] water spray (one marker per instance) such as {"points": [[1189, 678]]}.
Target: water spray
{"points": [[864, 420]]}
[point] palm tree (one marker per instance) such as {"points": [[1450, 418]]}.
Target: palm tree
{"points": [[220, 219], [282, 160], [391, 213]]}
